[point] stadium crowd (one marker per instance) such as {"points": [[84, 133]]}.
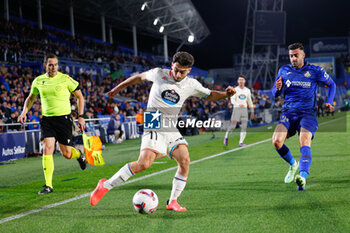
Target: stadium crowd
{"points": [[19, 39], [15, 87]]}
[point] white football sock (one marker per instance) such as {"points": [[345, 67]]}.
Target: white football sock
{"points": [[243, 132], [179, 184], [121, 176], [230, 129]]}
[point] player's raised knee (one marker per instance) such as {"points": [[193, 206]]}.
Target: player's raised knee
{"points": [[277, 142], [185, 162]]}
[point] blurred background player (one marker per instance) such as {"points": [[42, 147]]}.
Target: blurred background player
{"points": [[169, 90], [240, 101], [298, 82], [320, 103], [55, 89]]}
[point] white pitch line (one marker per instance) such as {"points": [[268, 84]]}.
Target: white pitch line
{"points": [[17, 216]]}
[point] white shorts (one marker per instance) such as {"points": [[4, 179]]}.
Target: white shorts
{"points": [[239, 114], [162, 143]]}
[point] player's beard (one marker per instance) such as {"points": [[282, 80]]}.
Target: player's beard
{"points": [[296, 64]]}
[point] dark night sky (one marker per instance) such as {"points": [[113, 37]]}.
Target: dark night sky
{"points": [[226, 20]]}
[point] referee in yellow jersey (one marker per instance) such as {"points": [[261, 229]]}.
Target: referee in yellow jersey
{"points": [[55, 89]]}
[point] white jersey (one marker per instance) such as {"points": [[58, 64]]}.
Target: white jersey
{"points": [[242, 98], [167, 95]]}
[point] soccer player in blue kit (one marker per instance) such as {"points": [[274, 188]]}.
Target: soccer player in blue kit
{"points": [[298, 82]]}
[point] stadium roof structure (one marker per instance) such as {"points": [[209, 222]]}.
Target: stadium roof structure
{"points": [[179, 19]]}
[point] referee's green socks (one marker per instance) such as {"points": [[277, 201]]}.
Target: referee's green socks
{"points": [[48, 169], [75, 153]]}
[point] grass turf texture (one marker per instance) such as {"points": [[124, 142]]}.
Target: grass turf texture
{"points": [[242, 191]]}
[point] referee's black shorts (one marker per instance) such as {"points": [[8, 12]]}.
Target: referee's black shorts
{"points": [[59, 127]]}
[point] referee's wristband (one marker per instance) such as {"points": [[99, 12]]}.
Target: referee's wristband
{"points": [[82, 115]]}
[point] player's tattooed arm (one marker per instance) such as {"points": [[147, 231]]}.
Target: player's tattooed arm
{"points": [[219, 95]]}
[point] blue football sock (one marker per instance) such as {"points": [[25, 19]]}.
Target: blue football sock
{"points": [[285, 154], [305, 161], [303, 174]]}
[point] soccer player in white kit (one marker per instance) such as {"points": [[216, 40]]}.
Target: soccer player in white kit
{"points": [[169, 91], [240, 101]]}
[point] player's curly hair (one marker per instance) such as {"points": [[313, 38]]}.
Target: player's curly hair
{"points": [[183, 58], [296, 46], [50, 55]]}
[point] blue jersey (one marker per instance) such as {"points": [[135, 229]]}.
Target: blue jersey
{"points": [[300, 87]]}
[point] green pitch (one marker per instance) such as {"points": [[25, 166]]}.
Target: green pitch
{"points": [[240, 191]]}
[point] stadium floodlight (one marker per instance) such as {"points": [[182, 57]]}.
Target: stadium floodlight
{"points": [[190, 38], [155, 21], [161, 29], [143, 7]]}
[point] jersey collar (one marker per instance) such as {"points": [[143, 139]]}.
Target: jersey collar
{"points": [[47, 75]]}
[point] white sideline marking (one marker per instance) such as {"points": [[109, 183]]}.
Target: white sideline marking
{"points": [[13, 217], [128, 182]]}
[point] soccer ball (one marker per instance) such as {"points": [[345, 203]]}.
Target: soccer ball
{"points": [[145, 201]]}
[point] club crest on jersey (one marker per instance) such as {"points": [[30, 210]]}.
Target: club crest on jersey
{"points": [[307, 74], [170, 97], [164, 78]]}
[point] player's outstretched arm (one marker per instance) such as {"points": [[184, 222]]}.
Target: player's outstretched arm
{"points": [[128, 82], [331, 93], [28, 103], [219, 95]]}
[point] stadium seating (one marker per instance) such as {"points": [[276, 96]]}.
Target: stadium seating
{"points": [[98, 67]]}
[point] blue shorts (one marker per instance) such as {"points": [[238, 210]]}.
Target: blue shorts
{"points": [[293, 123]]}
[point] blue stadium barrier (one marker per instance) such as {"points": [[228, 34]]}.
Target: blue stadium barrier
{"points": [[12, 146]]}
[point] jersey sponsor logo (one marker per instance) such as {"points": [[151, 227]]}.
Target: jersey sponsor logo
{"points": [[288, 82], [152, 120], [242, 97], [301, 84], [170, 97], [298, 84], [307, 74]]}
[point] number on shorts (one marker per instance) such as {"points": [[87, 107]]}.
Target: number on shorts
{"points": [[151, 135]]}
